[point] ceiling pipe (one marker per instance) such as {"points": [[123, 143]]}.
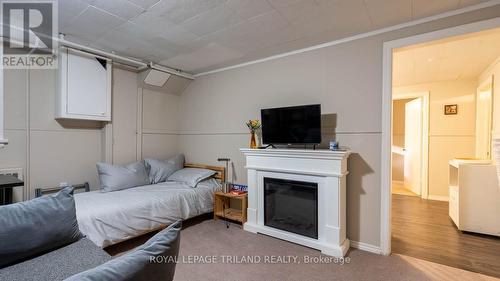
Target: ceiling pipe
{"points": [[140, 65], [121, 59]]}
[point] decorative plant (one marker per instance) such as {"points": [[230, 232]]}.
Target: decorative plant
{"points": [[253, 125]]}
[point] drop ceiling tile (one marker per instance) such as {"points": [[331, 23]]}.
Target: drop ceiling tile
{"points": [[145, 4], [182, 31], [116, 40], [301, 11], [152, 22], [179, 35], [69, 10], [212, 20], [346, 17], [268, 21], [165, 48], [444, 59], [425, 8], [180, 11], [135, 31], [121, 8], [93, 23], [389, 12], [209, 55], [138, 52], [246, 9]]}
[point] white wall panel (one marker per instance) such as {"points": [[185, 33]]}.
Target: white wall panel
{"points": [[124, 116], [64, 156]]}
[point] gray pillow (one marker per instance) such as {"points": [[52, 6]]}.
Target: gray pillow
{"points": [[141, 265], [30, 228], [191, 176], [116, 177], [160, 170]]}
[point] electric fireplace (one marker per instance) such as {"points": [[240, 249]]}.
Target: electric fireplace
{"points": [[291, 206]]}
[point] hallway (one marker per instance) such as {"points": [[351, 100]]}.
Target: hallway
{"points": [[423, 229]]}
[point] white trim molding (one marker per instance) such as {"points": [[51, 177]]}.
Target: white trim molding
{"points": [[366, 247], [386, 159], [358, 36]]}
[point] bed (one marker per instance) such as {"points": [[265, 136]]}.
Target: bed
{"points": [[107, 218]]}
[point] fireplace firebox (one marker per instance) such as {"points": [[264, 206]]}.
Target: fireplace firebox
{"points": [[291, 206]]}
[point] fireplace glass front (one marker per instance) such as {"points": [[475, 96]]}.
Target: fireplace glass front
{"points": [[291, 206]]}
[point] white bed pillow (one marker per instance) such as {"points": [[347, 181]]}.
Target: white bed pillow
{"points": [[160, 170], [117, 177], [191, 176]]}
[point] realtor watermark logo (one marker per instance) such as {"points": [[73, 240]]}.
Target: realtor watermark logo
{"points": [[29, 32]]}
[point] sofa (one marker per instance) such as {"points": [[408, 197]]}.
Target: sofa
{"points": [[40, 240]]}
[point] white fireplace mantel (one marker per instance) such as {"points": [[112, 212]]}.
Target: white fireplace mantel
{"points": [[326, 168]]}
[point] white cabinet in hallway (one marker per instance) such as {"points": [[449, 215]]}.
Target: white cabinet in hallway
{"points": [[474, 192]]}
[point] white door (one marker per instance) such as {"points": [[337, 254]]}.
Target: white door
{"points": [[483, 123], [413, 146]]}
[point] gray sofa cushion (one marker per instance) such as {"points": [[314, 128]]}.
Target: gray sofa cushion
{"points": [[191, 176], [58, 264], [160, 170], [117, 177], [32, 227], [137, 265]]}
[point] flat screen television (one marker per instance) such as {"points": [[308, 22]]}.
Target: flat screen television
{"points": [[292, 125]]}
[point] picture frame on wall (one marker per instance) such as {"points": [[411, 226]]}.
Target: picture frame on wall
{"points": [[451, 109]]}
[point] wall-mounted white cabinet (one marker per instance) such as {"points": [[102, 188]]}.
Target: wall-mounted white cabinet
{"points": [[84, 86]]}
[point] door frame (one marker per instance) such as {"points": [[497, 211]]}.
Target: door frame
{"points": [[386, 161], [488, 82], [424, 165]]}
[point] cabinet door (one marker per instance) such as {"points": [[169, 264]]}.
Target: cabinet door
{"points": [[87, 85]]}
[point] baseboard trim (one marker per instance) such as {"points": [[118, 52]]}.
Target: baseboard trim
{"points": [[438, 198], [366, 247]]}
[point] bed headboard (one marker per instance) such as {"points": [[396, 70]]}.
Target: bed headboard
{"points": [[221, 171]]}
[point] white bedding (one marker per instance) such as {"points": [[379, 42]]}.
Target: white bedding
{"points": [[112, 217]]}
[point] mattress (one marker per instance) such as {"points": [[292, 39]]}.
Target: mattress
{"points": [[107, 218]]}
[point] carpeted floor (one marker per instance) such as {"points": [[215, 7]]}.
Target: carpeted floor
{"points": [[210, 251]]}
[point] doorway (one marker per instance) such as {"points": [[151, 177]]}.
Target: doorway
{"points": [[423, 225], [410, 147]]}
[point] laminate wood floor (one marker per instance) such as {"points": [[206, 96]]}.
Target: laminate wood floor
{"points": [[423, 229], [401, 189]]}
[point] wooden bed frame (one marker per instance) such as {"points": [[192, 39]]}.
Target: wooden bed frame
{"points": [[220, 175], [221, 171]]}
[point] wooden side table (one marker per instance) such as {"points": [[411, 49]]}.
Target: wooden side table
{"points": [[223, 208]]}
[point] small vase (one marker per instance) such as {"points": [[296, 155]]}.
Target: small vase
{"points": [[253, 142]]}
